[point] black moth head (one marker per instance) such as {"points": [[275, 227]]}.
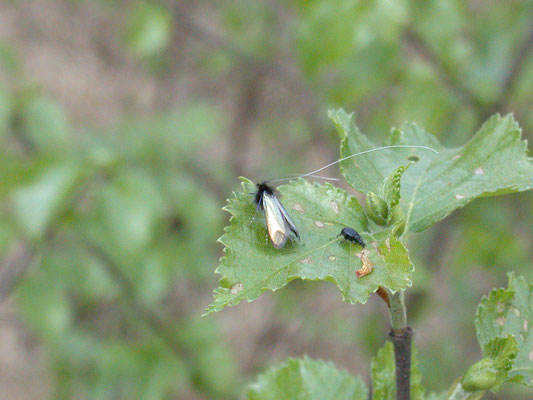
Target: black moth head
{"points": [[262, 188]]}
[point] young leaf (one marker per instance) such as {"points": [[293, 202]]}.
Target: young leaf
{"points": [[252, 265], [149, 29], [390, 189], [383, 208], [491, 372], [384, 375], [45, 125], [493, 162], [307, 379], [37, 203], [377, 208], [509, 312]]}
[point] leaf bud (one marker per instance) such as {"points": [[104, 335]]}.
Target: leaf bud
{"points": [[480, 376], [376, 208]]}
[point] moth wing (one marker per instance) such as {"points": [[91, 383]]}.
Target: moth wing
{"points": [[277, 226], [287, 218]]}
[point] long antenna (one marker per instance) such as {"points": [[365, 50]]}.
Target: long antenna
{"points": [[369, 151], [326, 178], [312, 174]]}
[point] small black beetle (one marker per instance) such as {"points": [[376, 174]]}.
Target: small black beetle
{"points": [[352, 235]]}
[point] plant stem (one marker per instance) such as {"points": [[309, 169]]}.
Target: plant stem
{"points": [[401, 336], [398, 315]]}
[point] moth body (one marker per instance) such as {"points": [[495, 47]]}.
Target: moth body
{"points": [[279, 223]]}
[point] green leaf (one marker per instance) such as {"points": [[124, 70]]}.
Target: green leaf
{"points": [[377, 209], [206, 348], [149, 29], [307, 379], [491, 372], [493, 162], [509, 312], [44, 303], [45, 124], [125, 214], [384, 375], [38, 202], [390, 189], [172, 137], [252, 265], [437, 396]]}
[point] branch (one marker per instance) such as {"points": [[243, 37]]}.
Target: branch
{"points": [[512, 76], [401, 336], [13, 267], [402, 357], [212, 39], [245, 114], [206, 178], [419, 46], [149, 316], [290, 78], [154, 320]]}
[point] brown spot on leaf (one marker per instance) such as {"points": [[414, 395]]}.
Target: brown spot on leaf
{"points": [[367, 264], [319, 224], [334, 206], [298, 207], [306, 260], [236, 288], [501, 320], [332, 258], [459, 196], [456, 157], [526, 325], [479, 171], [500, 307]]}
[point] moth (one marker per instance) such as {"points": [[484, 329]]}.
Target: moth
{"points": [[279, 223]]}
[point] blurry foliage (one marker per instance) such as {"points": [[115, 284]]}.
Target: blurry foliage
{"points": [[149, 29], [126, 217], [115, 222]]}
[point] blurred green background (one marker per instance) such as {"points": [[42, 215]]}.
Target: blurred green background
{"points": [[123, 128]]}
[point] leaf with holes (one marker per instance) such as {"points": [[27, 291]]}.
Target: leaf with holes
{"points": [[509, 312], [252, 265], [307, 379], [493, 162]]}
